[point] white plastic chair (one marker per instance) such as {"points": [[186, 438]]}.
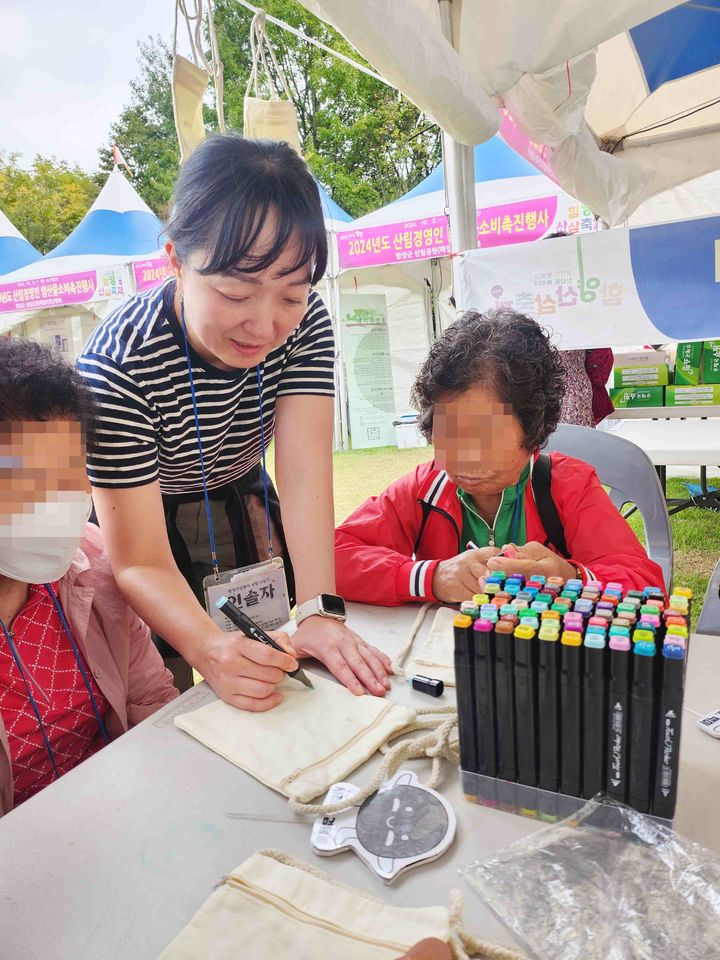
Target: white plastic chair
{"points": [[631, 478]]}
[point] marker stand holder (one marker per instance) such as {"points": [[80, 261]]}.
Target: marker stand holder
{"points": [[529, 802]]}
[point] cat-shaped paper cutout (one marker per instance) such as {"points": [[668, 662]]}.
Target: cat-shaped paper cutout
{"points": [[402, 825]]}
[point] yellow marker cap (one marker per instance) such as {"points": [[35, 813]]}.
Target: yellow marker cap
{"points": [[571, 638], [480, 598], [676, 630], [646, 635], [550, 615], [524, 633], [462, 621], [683, 592]]}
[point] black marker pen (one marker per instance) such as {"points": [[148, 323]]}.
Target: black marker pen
{"points": [[243, 622]]}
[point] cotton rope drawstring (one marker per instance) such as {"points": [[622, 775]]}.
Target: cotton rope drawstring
{"points": [[463, 945]]}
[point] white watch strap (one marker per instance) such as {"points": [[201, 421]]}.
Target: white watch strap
{"points": [[310, 608]]}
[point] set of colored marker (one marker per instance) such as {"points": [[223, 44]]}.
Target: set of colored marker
{"points": [[567, 690]]}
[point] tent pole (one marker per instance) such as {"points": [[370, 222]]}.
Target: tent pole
{"points": [[459, 181]]}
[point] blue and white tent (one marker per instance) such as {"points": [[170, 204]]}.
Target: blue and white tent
{"points": [[501, 176], [335, 217], [15, 250], [119, 224]]}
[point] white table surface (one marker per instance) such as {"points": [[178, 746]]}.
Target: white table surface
{"points": [[694, 443], [113, 860]]}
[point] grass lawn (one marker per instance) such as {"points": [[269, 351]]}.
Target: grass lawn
{"points": [[696, 533]]}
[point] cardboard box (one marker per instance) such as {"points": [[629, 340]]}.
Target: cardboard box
{"points": [[623, 397], [640, 358], [704, 395], [656, 376], [687, 364], [711, 361]]}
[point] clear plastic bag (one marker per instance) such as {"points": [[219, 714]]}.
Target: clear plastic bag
{"points": [[610, 884]]}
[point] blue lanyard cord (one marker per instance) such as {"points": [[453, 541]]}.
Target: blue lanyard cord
{"points": [[81, 665], [264, 463], [31, 698], [211, 531]]}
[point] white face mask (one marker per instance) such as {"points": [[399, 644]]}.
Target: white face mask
{"points": [[38, 546]]}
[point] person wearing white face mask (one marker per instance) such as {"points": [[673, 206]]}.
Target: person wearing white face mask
{"points": [[77, 666]]}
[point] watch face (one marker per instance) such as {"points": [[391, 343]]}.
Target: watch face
{"points": [[333, 605]]}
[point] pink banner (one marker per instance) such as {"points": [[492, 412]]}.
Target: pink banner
{"points": [[394, 243], [497, 226], [150, 273], [537, 153], [48, 292], [515, 222]]}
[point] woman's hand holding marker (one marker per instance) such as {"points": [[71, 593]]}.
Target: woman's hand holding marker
{"points": [[459, 577], [531, 558]]}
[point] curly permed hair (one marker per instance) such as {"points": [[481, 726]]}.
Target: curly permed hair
{"points": [[503, 350], [37, 384]]}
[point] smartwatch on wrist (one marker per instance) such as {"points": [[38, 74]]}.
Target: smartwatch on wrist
{"points": [[327, 605]]}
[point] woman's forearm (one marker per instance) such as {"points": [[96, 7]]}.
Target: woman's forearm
{"points": [[163, 599]]}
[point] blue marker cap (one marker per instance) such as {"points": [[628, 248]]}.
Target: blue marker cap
{"points": [[648, 590], [595, 641], [507, 608], [539, 606], [594, 628], [512, 588], [673, 652], [643, 648], [573, 584]]}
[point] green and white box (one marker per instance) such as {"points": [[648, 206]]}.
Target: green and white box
{"points": [[687, 364], [624, 397], [711, 361], [656, 376], [704, 395]]}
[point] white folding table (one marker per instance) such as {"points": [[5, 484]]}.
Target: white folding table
{"points": [[112, 860]]}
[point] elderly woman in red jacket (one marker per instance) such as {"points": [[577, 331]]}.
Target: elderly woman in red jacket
{"points": [[77, 666], [489, 395]]}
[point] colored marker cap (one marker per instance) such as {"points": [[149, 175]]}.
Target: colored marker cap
{"points": [[481, 598], [469, 608], [523, 632], [547, 633], [644, 636], [677, 631], [683, 592], [461, 620], [673, 651], [619, 631], [550, 615], [491, 587], [622, 644], [645, 648], [570, 638], [594, 641], [483, 626]]}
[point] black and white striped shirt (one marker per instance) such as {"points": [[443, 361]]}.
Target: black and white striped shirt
{"points": [[136, 365]]}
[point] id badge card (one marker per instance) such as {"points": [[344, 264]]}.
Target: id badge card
{"points": [[260, 591]]}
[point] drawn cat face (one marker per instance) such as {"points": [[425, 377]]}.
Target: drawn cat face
{"points": [[401, 822]]}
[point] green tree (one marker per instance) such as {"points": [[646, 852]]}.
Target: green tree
{"points": [[363, 141], [47, 201], [145, 130]]}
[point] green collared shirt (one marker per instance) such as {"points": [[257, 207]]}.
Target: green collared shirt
{"points": [[505, 529]]}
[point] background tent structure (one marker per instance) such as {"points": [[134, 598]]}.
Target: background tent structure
{"points": [[415, 293], [60, 298], [615, 105], [15, 250]]}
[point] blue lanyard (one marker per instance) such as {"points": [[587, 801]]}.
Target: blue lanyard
{"points": [[213, 552], [28, 690]]}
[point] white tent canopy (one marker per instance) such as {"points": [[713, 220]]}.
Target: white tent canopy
{"points": [[616, 103]]}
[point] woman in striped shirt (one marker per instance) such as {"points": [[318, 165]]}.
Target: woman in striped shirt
{"points": [[246, 244]]}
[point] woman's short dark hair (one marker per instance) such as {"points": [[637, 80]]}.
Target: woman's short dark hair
{"points": [[224, 194], [37, 384], [505, 351]]}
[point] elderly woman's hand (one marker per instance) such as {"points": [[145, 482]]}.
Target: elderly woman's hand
{"points": [[532, 558], [458, 578]]}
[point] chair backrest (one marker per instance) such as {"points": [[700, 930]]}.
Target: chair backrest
{"points": [[630, 476], [709, 619]]}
